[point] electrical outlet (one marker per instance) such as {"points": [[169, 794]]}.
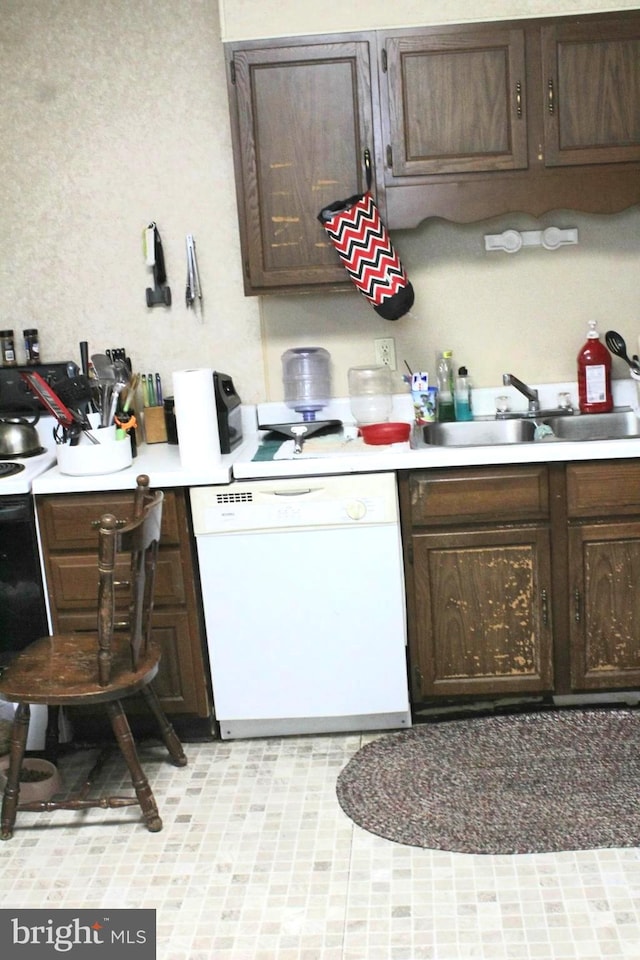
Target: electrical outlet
{"points": [[386, 352]]}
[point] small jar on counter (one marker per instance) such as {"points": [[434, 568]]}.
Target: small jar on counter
{"points": [[7, 349], [31, 346]]}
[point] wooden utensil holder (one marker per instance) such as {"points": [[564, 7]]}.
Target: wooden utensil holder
{"points": [[155, 428]]}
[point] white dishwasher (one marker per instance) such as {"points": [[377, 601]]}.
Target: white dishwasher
{"points": [[303, 593]]}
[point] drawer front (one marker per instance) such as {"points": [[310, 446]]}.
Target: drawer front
{"points": [[604, 488], [67, 519], [482, 493], [74, 580]]}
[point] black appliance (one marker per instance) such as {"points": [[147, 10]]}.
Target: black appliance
{"points": [[15, 395], [23, 616], [228, 407]]}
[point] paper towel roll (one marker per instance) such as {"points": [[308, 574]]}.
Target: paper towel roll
{"points": [[196, 419]]}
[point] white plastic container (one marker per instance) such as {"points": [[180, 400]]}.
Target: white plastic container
{"points": [[94, 459], [370, 396]]}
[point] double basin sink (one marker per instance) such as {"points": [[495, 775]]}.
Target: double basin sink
{"points": [[619, 425]]}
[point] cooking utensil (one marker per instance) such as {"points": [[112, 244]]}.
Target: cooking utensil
{"points": [[51, 400], [70, 422], [19, 438], [615, 343]]}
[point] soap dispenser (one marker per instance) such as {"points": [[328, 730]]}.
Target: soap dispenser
{"points": [[462, 395], [594, 374]]}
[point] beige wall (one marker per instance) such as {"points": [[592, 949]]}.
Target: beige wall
{"points": [[114, 113], [242, 19]]}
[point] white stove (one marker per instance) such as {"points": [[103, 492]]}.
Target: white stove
{"points": [[26, 469], [17, 400], [30, 468]]}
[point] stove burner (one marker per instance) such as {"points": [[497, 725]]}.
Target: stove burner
{"points": [[10, 469]]}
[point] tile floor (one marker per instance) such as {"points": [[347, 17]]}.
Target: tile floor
{"points": [[257, 862]]}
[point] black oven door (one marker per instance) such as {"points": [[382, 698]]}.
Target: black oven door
{"points": [[23, 615]]}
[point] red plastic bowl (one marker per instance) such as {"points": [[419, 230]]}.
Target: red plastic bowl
{"points": [[385, 432]]}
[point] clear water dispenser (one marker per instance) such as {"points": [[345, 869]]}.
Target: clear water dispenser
{"points": [[307, 381]]}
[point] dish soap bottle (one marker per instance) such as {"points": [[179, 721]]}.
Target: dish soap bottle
{"points": [[462, 395], [446, 411], [594, 375]]}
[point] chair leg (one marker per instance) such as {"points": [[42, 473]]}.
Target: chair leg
{"points": [[167, 732], [52, 735], [124, 737], [11, 796]]}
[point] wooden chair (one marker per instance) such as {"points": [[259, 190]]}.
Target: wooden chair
{"points": [[76, 670]]}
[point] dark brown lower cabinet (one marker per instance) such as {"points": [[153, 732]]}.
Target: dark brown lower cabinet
{"points": [[69, 544], [478, 581], [603, 508], [483, 623], [523, 579]]}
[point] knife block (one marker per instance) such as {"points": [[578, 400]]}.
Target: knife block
{"points": [[155, 428]]}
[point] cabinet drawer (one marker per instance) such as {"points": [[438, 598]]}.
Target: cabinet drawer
{"points": [[603, 488], [67, 519], [74, 582], [480, 493]]}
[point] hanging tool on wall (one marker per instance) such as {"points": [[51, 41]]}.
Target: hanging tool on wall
{"points": [[154, 256], [194, 290]]}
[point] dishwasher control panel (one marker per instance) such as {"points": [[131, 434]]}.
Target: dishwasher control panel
{"points": [[294, 503]]}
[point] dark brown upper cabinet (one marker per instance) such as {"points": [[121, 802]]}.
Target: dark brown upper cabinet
{"points": [[463, 122], [527, 116], [302, 117], [455, 102], [591, 90]]}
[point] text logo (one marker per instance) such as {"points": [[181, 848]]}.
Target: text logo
{"points": [[79, 934]]}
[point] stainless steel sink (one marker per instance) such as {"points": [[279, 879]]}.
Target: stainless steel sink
{"points": [[483, 433], [619, 425]]}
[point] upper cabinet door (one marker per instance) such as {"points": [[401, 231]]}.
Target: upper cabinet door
{"points": [[302, 121], [456, 101], [591, 94]]}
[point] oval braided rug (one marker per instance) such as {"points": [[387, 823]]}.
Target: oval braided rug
{"points": [[527, 783]]}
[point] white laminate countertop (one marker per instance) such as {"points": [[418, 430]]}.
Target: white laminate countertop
{"points": [[161, 461], [369, 459]]}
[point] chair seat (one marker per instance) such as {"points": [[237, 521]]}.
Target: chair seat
{"points": [[61, 671]]}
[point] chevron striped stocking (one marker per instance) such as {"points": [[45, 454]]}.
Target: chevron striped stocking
{"points": [[365, 248]]}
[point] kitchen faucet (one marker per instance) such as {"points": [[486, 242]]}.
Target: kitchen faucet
{"points": [[508, 379]]}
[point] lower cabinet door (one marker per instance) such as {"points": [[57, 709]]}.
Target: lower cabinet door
{"points": [[482, 612], [179, 682], [605, 605]]}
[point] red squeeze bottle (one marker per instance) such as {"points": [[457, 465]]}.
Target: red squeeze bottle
{"points": [[594, 375]]}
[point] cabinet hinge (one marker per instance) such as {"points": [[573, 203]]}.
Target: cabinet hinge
{"points": [[384, 60], [232, 68], [410, 553], [417, 678], [389, 156]]}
